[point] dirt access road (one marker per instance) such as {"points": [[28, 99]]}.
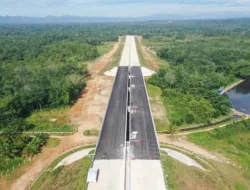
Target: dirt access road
{"points": [[87, 113]]}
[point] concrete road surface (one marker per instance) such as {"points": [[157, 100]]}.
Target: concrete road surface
{"points": [[132, 163], [146, 175], [111, 175], [129, 55]]}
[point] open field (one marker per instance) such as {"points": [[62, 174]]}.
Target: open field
{"points": [[158, 109], [233, 141], [147, 58], [73, 176], [192, 178], [115, 59], [105, 47], [51, 120], [222, 176]]}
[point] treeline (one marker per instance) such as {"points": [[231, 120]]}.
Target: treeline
{"points": [[42, 66], [40, 69], [190, 98], [199, 64]]}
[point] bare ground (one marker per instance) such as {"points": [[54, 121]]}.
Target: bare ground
{"points": [[158, 109], [153, 64], [87, 113]]}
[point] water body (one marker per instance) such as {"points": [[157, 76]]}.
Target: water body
{"points": [[240, 97]]}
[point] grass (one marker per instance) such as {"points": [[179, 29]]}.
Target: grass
{"points": [[225, 177], [176, 109], [144, 62], [92, 152], [7, 165], [92, 132], [154, 91], [154, 56], [192, 178], [161, 125], [239, 186], [51, 178], [116, 57], [53, 142], [212, 126], [233, 141], [105, 47], [232, 177], [73, 176], [187, 153], [156, 101], [51, 120], [57, 160]]}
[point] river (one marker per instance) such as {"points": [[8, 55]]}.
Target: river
{"points": [[240, 97]]}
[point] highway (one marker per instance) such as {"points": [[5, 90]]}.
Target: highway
{"points": [[145, 145], [145, 170], [127, 153], [112, 139]]}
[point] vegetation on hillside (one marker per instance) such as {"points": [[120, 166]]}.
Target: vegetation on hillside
{"points": [[232, 140], [41, 67], [201, 60]]}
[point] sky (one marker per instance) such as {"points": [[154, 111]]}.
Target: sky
{"points": [[123, 8]]}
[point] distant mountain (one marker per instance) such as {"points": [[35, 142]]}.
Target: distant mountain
{"points": [[77, 19]]}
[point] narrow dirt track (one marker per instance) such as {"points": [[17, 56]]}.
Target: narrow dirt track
{"points": [[87, 113]]}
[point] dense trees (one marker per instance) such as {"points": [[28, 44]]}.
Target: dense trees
{"points": [[14, 144], [40, 67], [204, 59]]}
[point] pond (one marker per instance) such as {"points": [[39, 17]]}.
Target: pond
{"points": [[240, 97]]}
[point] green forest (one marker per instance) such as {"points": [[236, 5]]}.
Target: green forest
{"points": [[44, 66], [201, 60], [41, 67]]}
